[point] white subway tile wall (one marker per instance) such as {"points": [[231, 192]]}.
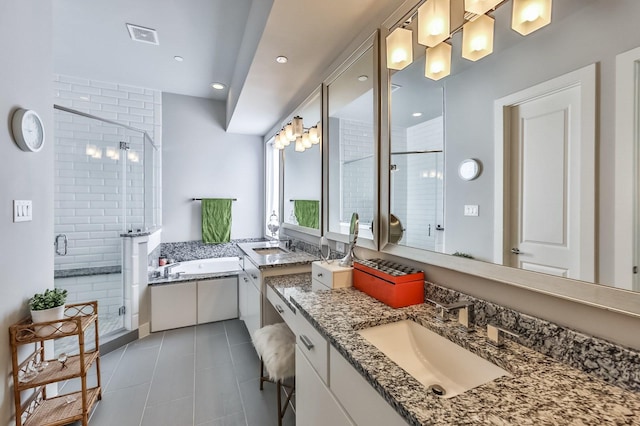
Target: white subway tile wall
{"points": [[98, 195], [357, 142], [418, 184]]}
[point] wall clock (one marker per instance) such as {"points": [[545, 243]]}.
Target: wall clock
{"points": [[28, 130]]}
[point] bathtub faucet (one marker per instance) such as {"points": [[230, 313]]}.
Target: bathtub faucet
{"points": [[168, 268]]}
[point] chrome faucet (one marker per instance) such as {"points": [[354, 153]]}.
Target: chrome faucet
{"points": [[466, 313], [495, 335], [168, 268]]}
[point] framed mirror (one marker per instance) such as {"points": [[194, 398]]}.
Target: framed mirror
{"points": [[352, 155], [302, 193], [474, 210]]}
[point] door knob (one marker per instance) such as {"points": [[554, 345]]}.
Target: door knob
{"points": [[516, 250]]}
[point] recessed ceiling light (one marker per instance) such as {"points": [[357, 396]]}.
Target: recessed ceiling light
{"points": [[417, 114], [282, 59], [217, 86], [363, 78], [178, 58]]}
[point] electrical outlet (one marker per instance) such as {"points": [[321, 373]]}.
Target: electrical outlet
{"points": [[470, 210], [22, 210], [340, 246]]}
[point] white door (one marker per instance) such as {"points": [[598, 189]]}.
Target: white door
{"points": [[546, 233]]}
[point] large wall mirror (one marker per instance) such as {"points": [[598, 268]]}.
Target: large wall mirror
{"points": [[352, 145], [302, 192], [466, 219]]}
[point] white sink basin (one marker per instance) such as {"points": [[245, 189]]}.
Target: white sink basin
{"points": [[434, 361]]}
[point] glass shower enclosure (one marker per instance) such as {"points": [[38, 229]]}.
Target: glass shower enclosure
{"points": [[106, 176]]}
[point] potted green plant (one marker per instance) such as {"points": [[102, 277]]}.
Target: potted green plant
{"points": [[47, 306]]}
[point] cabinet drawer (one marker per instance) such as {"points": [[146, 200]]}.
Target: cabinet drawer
{"points": [[253, 273], [332, 275], [313, 346], [363, 404], [285, 311]]}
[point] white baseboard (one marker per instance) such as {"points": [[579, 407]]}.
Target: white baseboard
{"points": [[144, 330]]}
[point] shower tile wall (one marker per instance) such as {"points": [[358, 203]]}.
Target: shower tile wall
{"points": [[356, 144], [87, 191]]}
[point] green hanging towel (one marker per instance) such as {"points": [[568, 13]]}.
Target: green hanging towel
{"points": [[307, 213], [216, 220]]}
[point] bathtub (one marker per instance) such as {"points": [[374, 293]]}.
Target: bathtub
{"points": [[206, 266]]}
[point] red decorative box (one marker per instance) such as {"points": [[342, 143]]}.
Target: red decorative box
{"points": [[391, 283]]}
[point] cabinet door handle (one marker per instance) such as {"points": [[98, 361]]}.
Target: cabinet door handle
{"points": [[255, 277], [319, 274], [246, 280], [305, 341], [279, 309]]}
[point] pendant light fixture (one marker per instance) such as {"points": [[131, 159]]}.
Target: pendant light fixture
{"points": [[480, 7], [434, 22], [299, 147], [298, 126], [277, 143], [288, 131], [399, 49], [530, 15], [306, 141], [477, 38], [313, 135], [438, 61]]}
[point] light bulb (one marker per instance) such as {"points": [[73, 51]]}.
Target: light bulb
{"points": [[90, 150], [436, 27], [299, 147], [398, 56], [313, 135], [436, 67], [531, 12], [479, 43]]}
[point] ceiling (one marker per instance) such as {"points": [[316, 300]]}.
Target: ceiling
{"points": [[91, 40]]}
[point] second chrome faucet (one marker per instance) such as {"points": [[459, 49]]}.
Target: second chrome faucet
{"points": [[464, 308]]}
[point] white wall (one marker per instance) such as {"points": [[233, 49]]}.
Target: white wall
{"points": [[201, 160], [26, 251]]}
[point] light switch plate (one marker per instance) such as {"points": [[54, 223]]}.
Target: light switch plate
{"points": [[22, 210], [470, 210]]}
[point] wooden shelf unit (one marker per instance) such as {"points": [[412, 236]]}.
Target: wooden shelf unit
{"points": [[37, 408]]}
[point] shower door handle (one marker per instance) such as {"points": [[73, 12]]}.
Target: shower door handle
{"points": [[61, 251]]}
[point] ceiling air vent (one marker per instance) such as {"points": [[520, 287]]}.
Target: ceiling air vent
{"points": [[142, 34]]}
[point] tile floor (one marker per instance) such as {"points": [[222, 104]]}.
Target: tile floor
{"points": [[202, 375]]}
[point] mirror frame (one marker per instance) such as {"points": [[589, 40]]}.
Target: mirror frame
{"points": [[318, 91], [372, 42], [597, 295]]}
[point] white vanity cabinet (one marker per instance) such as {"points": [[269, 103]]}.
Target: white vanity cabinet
{"points": [[216, 300], [253, 301], [173, 305], [359, 399], [315, 405], [185, 303]]}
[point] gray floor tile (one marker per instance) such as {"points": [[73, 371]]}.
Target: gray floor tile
{"points": [[172, 380], [174, 413], [180, 341], [216, 394], [121, 407], [210, 328], [151, 341], [236, 419], [246, 363], [236, 332], [212, 351], [136, 367], [261, 406]]}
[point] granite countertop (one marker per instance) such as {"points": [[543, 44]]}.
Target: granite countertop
{"points": [[266, 261], [539, 390]]}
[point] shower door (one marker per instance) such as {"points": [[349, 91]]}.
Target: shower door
{"points": [[99, 194]]}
